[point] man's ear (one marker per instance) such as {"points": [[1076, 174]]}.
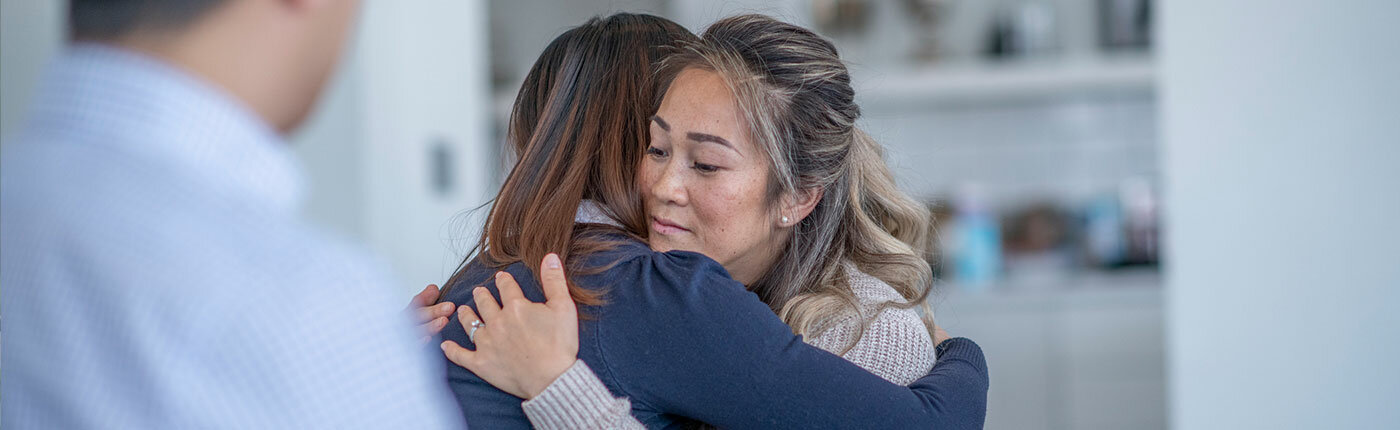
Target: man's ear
{"points": [[796, 206]]}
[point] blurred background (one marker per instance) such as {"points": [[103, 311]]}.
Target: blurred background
{"points": [[1151, 213]]}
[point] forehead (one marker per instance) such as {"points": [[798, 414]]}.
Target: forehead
{"points": [[699, 101]]}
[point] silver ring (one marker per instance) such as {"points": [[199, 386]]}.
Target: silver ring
{"points": [[471, 334]]}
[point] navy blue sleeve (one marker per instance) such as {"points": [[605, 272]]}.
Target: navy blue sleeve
{"points": [[689, 340], [483, 405]]}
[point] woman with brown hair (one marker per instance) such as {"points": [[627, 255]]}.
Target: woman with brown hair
{"points": [[673, 331]]}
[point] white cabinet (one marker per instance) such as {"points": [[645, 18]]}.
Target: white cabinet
{"points": [[1111, 365], [1017, 345], [1088, 356]]}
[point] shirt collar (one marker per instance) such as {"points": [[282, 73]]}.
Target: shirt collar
{"points": [[103, 95], [589, 212]]}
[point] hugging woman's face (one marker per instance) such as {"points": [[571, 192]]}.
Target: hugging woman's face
{"points": [[703, 180]]}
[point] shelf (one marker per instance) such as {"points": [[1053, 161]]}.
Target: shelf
{"points": [[975, 83], [980, 83]]}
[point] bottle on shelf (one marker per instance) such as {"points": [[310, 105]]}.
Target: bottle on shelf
{"points": [[976, 234]]}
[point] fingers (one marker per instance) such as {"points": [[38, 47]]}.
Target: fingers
{"points": [[429, 313], [486, 306], [433, 327], [939, 335], [425, 297], [457, 354], [510, 290], [556, 286], [465, 316]]}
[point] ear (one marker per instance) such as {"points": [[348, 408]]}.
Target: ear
{"points": [[796, 206]]}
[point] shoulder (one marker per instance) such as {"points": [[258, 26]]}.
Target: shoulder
{"points": [[629, 274], [113, 201], [676, 295], [870, 290], [282, 252], [894, 344], [629, 271], [873, 297], [124, 214], [648, 285]]}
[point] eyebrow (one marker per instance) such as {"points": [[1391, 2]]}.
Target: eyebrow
{"points": [[702, 137], [661, 122], [698, 137]]}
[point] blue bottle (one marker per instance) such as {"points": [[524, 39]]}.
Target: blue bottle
{"points": [[977, 248]]}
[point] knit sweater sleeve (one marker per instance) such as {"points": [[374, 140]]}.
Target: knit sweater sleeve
{"points": [[579, 400]]}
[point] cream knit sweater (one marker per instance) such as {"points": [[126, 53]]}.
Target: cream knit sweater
{"points": [[896, 346]]}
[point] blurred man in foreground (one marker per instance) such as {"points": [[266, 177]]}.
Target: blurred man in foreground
{"points": [[155, 274]]}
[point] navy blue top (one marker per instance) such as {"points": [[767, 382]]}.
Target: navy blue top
{"points": [[685, 343]]}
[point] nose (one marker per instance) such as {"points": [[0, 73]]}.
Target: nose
{"points": [[668, 187]]}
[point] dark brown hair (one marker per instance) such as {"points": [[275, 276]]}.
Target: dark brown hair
{"points": [[109, 19], [578, 127]]}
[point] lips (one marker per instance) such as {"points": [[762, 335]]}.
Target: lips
{"points": [[665, 226]]}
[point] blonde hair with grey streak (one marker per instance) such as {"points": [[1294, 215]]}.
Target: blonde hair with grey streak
{"points": [[795, 93]]}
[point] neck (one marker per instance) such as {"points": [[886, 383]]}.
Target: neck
{"points": [[753, 265], [217, 53]]}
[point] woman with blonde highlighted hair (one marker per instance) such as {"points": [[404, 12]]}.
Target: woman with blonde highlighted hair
{"points": [[843, 260]]}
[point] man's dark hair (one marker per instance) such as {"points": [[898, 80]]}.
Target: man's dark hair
{"points": [[109, 19]]}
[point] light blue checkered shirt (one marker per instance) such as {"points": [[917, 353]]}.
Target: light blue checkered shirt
{"points": [[154, 273]]}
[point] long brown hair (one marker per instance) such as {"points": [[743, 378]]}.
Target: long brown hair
{"points": [[578, 127]]}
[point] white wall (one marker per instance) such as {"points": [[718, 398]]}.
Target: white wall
{"points": [[513, 51], [332, 148], [30, 33], [697, 14], [1282, 162], [425, 82]]}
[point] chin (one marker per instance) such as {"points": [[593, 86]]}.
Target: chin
{"points": [[663, 243], [659, 244]]}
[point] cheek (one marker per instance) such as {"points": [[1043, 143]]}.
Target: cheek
{"points": [[646, 175], [734, 214]]}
